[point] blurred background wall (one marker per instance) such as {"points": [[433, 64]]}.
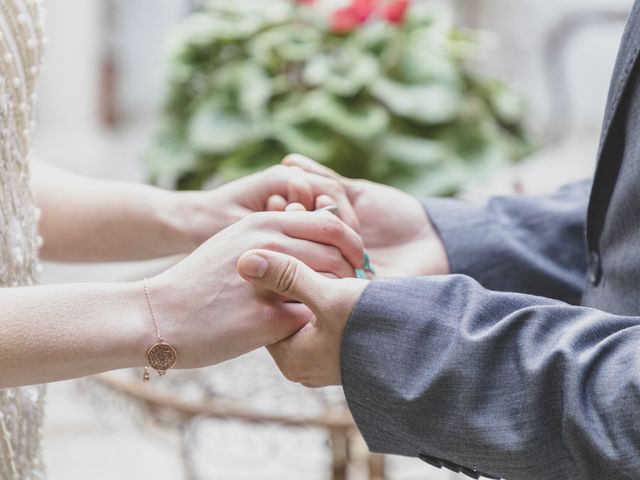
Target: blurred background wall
{"points": [[524, 29], [104, 60]]}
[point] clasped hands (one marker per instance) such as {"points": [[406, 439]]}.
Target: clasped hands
{"points": [[295, 290]]}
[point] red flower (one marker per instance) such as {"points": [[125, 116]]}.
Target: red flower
{"points": [[395, 11], [343, 21], [346, 19], [305, 2], [362, 9]]}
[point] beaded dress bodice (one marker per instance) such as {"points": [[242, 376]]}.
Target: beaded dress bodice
{"points": [[21, 47]]}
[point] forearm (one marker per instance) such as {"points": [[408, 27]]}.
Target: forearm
{"points": [[513, 385], [52, 333], [522, 244], [86, 219]]}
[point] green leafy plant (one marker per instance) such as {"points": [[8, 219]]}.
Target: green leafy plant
{"points": [[384, 90]]}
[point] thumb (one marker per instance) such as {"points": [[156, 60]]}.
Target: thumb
{"points": [[282, 274]]}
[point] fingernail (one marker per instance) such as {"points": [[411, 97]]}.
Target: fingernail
{"points": [[295, 207], [255, 266]]}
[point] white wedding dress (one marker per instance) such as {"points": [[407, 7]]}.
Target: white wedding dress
{"points": [[21, 47]]}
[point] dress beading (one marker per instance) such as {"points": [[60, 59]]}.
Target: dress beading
{"points": [[22, 42]]}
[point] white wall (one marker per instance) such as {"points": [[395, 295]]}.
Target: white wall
{"points": [[68, 87], [523, 25], [140, 30], [69, 131]]}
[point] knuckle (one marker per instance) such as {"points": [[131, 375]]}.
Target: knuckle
{"points": [[357, 240], [334, 258], [269, 244], [334, 187], [334, 226], [288, 157], [285, 275], [277, 170], [264, 220], [256, 219], [264, 323], [272, 329], [269, 317], [329, 221], [295, 170]]}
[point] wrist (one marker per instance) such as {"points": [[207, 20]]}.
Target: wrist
{"points": [[134, 333], [197, 216], [173, 302], [346, 296], [164, 222], [156, 323], [434, 244], [187, 219], [439, 264]]}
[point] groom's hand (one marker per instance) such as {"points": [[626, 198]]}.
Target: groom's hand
{"points": [[312, 355], [394, 226]]}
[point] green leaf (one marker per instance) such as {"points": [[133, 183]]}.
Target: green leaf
{"points": [[270, 12], [289, 42], [416, 151], [507, 104], [422, 62], [250, 80], [360, 122], [255, 90], [373, 36], [445, 180], [429, 103], [168, 156], [307, 141], [212, 130], [433, 15], [344, 72]]}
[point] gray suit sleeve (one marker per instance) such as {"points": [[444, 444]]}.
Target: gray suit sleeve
{"points": [[513, 385], [533, 245]]}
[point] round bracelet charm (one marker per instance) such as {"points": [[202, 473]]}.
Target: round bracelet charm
{"points": [[161, 357]]}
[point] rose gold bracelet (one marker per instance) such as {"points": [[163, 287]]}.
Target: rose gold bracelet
{"points": [[161, 356]]}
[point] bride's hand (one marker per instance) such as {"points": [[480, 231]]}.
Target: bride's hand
{"points": [[271, 189], [210, 314]]}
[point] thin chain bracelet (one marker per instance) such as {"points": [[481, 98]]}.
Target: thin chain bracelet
{"points": [[161, 356]]}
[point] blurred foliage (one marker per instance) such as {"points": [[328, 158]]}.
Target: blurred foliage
{"points": [[398, 102]]}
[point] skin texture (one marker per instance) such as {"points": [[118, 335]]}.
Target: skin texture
{"points": [[205, 309], [87, 219], [311, 356], [394, 226], [401, 241]]}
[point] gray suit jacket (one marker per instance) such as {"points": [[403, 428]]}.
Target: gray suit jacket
{"points": [[525, 364]]}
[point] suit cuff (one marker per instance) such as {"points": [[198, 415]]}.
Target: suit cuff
{"points": [[364, 370], [465, 228]]}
